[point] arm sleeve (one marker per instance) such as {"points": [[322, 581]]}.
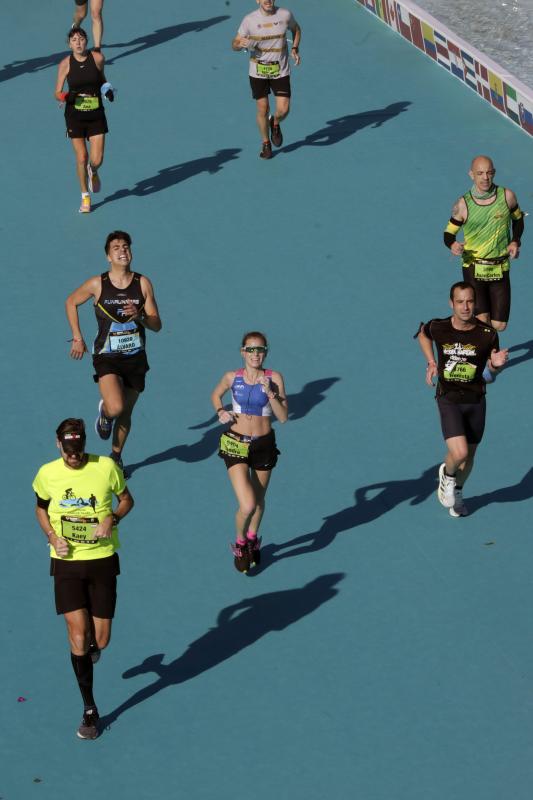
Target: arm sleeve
{"points": [[517, 224], [243, 29], [42, 503], [453, 226]]}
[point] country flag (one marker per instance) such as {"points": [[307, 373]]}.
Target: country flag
{"points": [[511, 102], [416, 31], [456, 60], [429, 40], [402, 17], [443, 56], [526, 118], [496, 91], [470, 70], [482, 81]]}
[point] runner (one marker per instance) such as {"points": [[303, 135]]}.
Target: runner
{"points": [[75, 511], [84, 111], [263, 34], [80, 12], [465, 346], [486, 213], [248, 447], [125, 306]]}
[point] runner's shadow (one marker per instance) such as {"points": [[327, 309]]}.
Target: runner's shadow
{"points": [[17, 68], [508, 494], [341, 128], [389, 495], [159, 36], [527, 356], [170, 176], [238, 626], [162, 35], [300, 405]]}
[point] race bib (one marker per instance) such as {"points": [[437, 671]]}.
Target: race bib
{"points": [[124, 341], [268, 69], [86, 103], [79, 529], [460, 371], [233, 447], [488, 272]]}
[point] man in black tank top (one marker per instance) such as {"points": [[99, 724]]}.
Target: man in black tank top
{"points": [[465, 347], [125, 306], [84, 111]]}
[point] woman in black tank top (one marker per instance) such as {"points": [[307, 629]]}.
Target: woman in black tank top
{"points": [[83, 72]]}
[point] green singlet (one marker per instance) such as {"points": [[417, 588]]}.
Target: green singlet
{"points": [[486, 231]]}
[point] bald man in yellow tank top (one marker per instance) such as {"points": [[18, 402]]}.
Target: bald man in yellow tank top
{"points": [[492, 224]]}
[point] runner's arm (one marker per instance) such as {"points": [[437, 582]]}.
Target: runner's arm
{"points": [[62, 72], [59, 544], [458, 217], [278, 397], [426, 345], [104, 529], [90, 288], [296, 38], [218, 393], [517, 223], [150, 317]]}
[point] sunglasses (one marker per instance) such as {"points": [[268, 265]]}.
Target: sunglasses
{"points": [[259, 349]]}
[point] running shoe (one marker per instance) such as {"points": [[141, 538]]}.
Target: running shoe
{"points": [[446, 490], [254, 551], [93, 179], [242, 559], [103, 425], [458, 509], [94, 652], [85, 207], [266, 150], [275, 133], [89, 725]]}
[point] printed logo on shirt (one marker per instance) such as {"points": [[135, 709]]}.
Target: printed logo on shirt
{"points": [[70, 500]]}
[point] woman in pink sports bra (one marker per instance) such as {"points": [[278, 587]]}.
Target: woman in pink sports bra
{"points": [[248, 446]]}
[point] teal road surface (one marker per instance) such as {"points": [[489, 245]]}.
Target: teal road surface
{"points": [[384, 650]]}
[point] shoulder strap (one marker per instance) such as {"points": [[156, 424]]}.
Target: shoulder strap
{"points": [[239, 372]]}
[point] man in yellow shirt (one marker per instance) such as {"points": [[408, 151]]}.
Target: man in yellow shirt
{"points": [[75, 511]]}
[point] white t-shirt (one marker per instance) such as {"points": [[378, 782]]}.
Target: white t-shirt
{"points": [[270, 56]]}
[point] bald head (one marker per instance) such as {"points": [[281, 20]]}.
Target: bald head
{"points": [[482, 173]]}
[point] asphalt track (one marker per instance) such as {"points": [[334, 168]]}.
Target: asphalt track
{"points": [[384, 652]]}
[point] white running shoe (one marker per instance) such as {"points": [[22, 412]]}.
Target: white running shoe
{"points": [[458, 509], [446, 490]]}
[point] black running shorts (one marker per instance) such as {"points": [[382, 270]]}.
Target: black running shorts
{"points": [[492, 297], [462, 419], [261, 87], [132, 369], [80, 129], [86, 584], [262, 453]]}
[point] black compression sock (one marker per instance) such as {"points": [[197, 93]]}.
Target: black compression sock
{"points": [[83, 669]]}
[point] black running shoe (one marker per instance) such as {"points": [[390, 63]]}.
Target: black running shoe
{"points": [[254, 551], [266, 151], [94, 652], [89, 724], [275, 133], [241, 560]]}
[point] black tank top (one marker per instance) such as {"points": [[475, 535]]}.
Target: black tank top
{"points": [[118, 335], [85, 78]]}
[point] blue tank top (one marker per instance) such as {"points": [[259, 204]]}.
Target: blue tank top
{"points": [[250, 400]]}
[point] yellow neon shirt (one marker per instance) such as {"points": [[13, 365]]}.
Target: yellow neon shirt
{"points": [[79, 500]]}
